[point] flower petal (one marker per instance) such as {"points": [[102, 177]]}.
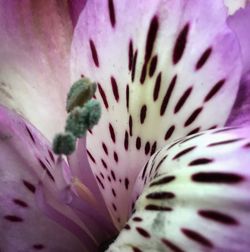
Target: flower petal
{"points": [[35, 39], [32, 215], [195, 196], [240, 114], [162, 68], [234, 5], [76, 8]]}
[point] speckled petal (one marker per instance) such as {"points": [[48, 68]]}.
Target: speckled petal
{"points": [[162, 69], [195, 196], [35, 39], [34, 209]]}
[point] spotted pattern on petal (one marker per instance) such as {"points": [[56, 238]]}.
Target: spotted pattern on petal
{"points": [[160, 76], [203, 207]]}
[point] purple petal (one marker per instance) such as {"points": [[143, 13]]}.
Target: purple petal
{"points": [[76, 8], [35, 38], [240, 114], [32, 215], [162, 69], [195, 196]]}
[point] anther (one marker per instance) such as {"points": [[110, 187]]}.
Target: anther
{"points": [[64, 143], [80, 92]]}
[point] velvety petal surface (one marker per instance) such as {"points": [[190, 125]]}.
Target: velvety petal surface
{"points": [[34, 207], [35, 39], [195, 196], [162, 69], [241, 111]]}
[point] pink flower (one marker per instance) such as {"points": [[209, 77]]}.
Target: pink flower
{"points": [[159, 172]]}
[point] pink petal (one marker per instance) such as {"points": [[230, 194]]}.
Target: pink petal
{"points": [[76, 8], [33, 214], [240, 114], [162, 69], [35, 38], [234, 5], [195, 196]]}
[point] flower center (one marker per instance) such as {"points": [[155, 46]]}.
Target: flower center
{"points": [[84, 113]]}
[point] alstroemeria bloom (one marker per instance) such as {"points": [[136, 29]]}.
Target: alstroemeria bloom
{"points": [[157, 171]]}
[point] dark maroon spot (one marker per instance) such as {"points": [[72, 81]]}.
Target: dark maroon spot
{"points": [[184, 152], [180, 44], [113, 192], [127, 96], [194, 131], [168, 95], [154, 146], [215, 89], [193, 116], [127, 227], [143, 113], [38, 246], [100, 182], [151, 37], [51, 156], [213, 127], [45, 169], [130, 55], [201, 161], [13, 218], [203, 59], [160, 163], [135, 249], [104, 164], [112, 133], [225, 130], [157, 87], [147, 148], [113, 175], [126, 141], [152, 207], [138, 143], [114, 207], [163, 181], [94, 53], [134, 66], [144, 170], [171, 245], [30, 134], [195, 236], [225, 142], [114, 88], [160, 195], [29, 186], [137, 219], [153, 65], [182, 100], [105, 148], [126, 181], [115, 157], [130, 125], [169, 132], [217, 177], [91, 157], [101, 174], [20, 203], [143, 73], [103, 95], [112, 13], [109, 179], [218, 217], [142, 232]]}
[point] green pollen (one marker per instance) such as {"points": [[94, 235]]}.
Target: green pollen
{"points": [[64, 143], [80, 92], [83, 118]]}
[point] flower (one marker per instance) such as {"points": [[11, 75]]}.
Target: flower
{"points": [[158, 168]]}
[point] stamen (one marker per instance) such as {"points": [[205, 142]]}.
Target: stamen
{"points": [[83, 118], [80, 92], [83, 191], [64, 143]]}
